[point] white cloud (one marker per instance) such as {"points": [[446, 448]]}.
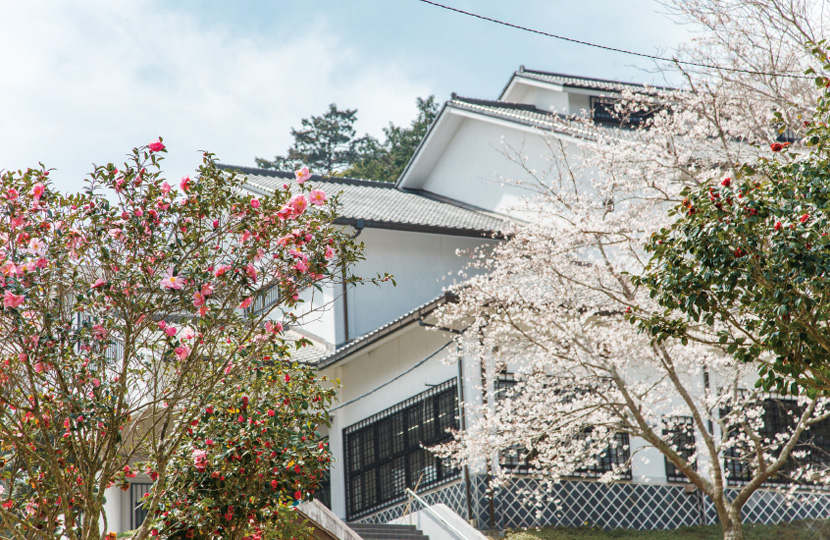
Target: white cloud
{"points": [[84, 82]]}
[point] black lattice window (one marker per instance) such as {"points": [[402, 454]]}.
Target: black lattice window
{"points": [[617, 453], [603, 112], [137, 515], [385, 453], [323, 493], [516, 458], [679, 432], [780, 416]]}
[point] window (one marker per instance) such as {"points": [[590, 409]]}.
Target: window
{"points": [[603, 112], [617, 453], [780, 416], [679, 432], [518, 459], [384, 453], [137, 491]]}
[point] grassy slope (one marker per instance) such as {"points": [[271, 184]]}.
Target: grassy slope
{"points": [[785, 531]]}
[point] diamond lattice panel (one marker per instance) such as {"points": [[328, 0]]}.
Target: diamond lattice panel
{"points": [[610, 506], [453, 495], [769, 507]]}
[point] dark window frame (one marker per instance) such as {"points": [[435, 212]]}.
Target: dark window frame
{"points": [[682, 438], [385, 453], [517, 459], [602, 112], [777, 416], [137, 512]]}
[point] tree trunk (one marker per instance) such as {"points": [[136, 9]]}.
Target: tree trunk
{"points": [[732, 526]]}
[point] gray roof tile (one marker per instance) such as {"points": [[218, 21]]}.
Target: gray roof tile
{"points": [[381, 204], [602, 85]]}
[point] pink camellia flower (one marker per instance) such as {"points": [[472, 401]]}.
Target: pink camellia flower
{"points": [[804, 218], [172, 282], [185, 183], [138, 212], [198, 299], [162, 325], [11, 300], [37, 191], [170, 331], [245, 303], [11, 194], [271, 412], [299, 203], [200, 459], [156, 146], [318, 197], [99, 331], [98, 283], [254, 203], [209, 442], [182, 352], [302, 175], [273, 327], [215, 223], [207, 289], [329, 253], [165, 187], [251, 272], [96, 382], [301, 266], [221, 269]]}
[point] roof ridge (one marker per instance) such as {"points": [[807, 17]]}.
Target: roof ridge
{"points": [[314, 177], [499, 103], [591, 79]]}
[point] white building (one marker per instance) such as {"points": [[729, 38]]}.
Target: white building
{"points": [[397, 394]]}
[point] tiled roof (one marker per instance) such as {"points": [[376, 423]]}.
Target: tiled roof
{"points": [[382, 205], [371, 337], [525, 114], [603, 85], [310, 354]]}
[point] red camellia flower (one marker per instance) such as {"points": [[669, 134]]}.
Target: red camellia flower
{"points": [[776, 147], [274, 484], [156, 146], [804, 218], [777, 225], [298, 495], [739, 253], [725, 182]]}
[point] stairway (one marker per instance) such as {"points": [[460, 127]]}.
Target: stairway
{"points": [[375, 531]]}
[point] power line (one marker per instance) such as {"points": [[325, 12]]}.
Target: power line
{"points": [[612, 49], [390, 381]]}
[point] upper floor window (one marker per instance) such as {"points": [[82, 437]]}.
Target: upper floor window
{"points": [[603, 111]]}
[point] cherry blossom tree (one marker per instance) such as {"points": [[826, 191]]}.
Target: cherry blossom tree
{"points": [[131, 346], [553, 304]]}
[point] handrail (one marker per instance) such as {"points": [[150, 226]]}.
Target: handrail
{"points": [[434, 513]]}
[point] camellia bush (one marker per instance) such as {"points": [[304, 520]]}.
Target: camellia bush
{"points": [[745, 265], [137, 340]]}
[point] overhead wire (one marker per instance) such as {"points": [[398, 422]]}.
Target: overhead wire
{"points": [[612, 49]]}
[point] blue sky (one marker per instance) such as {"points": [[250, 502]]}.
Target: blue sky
{"points": [[83, 82]]}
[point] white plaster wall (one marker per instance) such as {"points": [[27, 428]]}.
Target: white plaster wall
{"points": [[422, 265], [474, 165], [319, 312], [368, 370]]}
